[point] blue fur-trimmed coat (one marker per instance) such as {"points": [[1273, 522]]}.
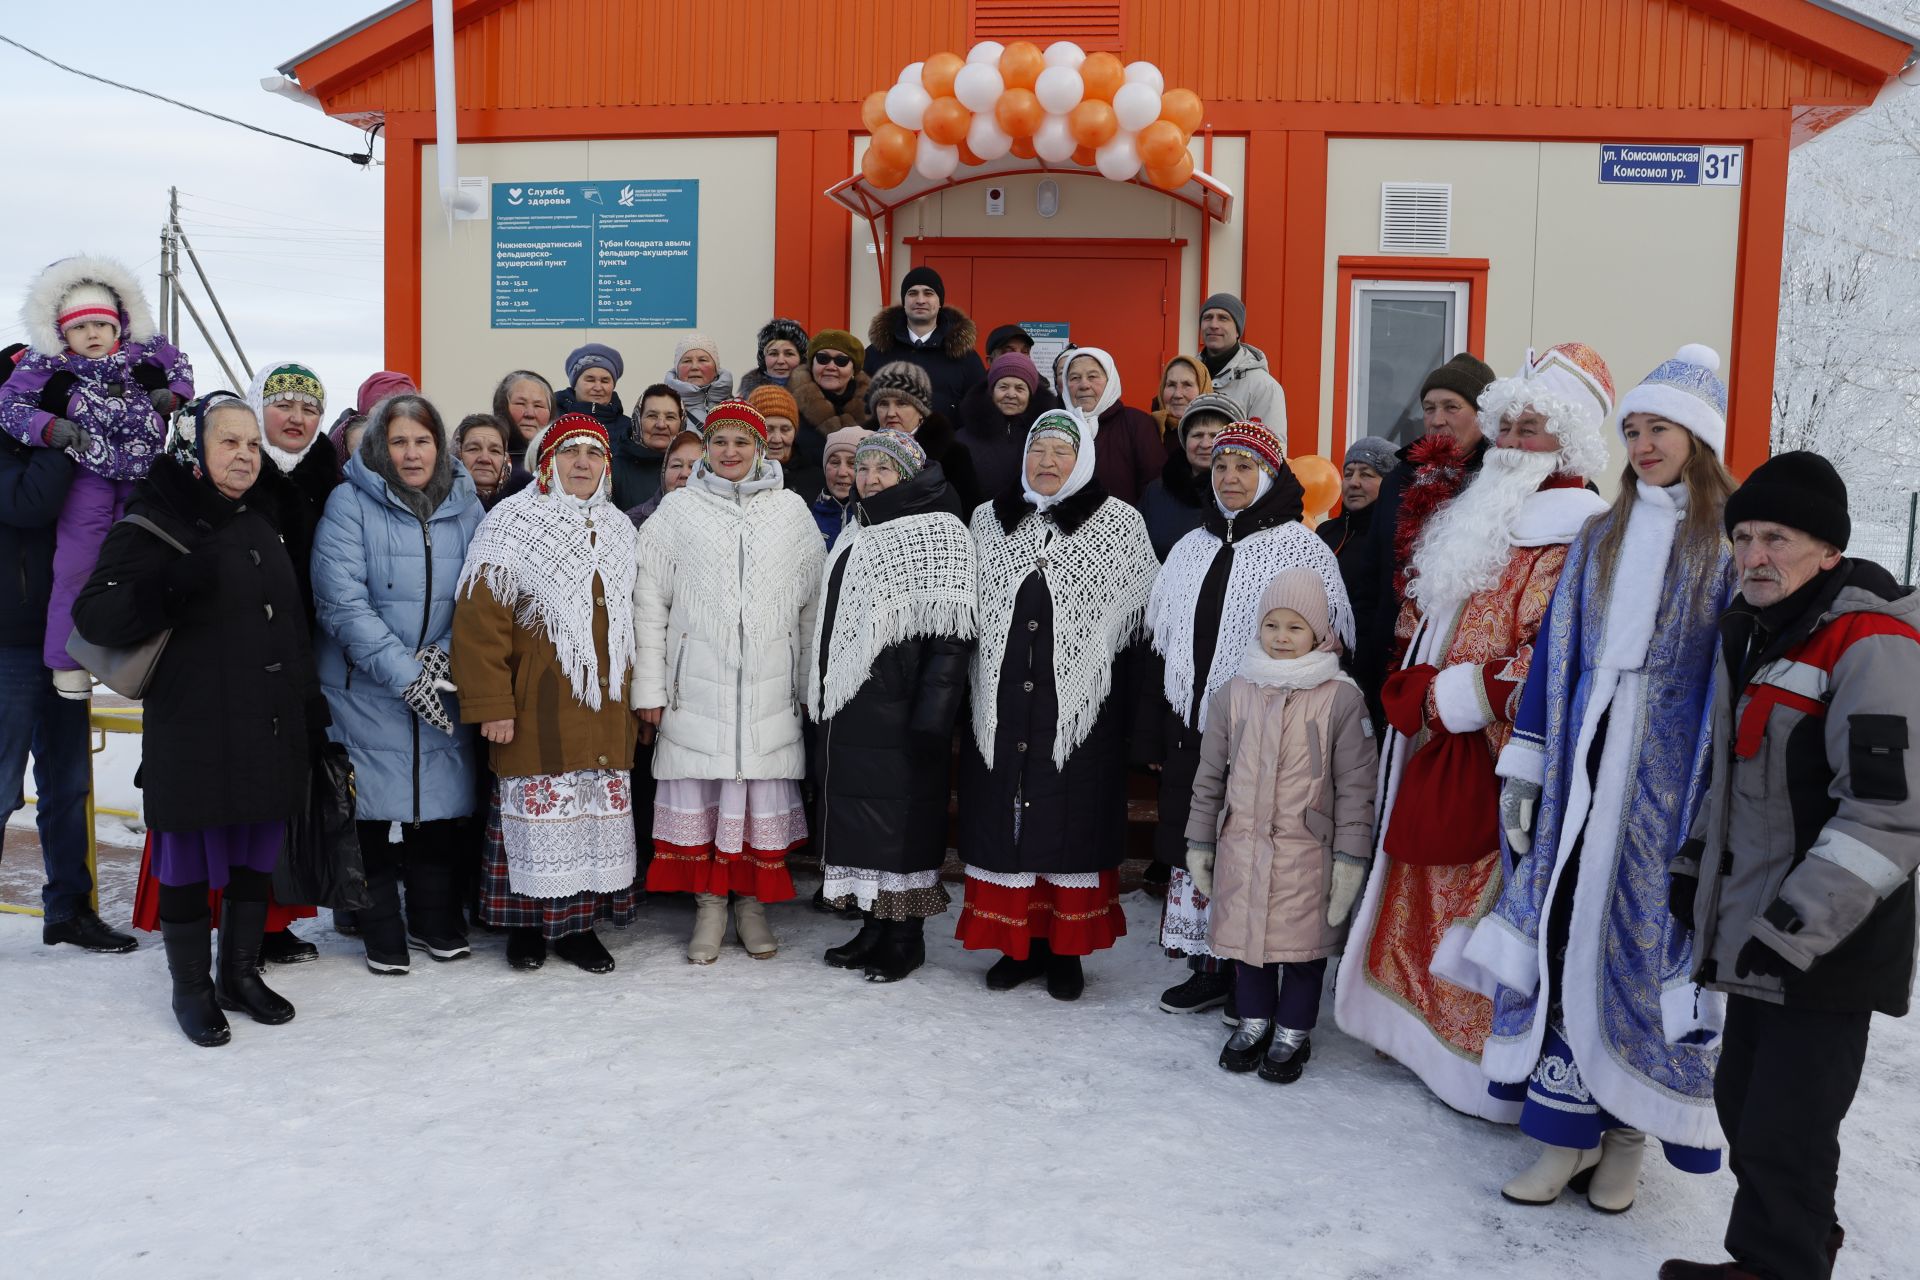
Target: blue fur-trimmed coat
{"points": [[1641, 657]]}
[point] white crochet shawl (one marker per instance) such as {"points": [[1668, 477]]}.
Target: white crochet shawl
{"points": [[1256, 560], [539, 554], [909, 577], [1099, 577]]}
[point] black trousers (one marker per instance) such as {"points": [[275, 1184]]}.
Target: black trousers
{"points": [[426, 860], [1785, 1081]]}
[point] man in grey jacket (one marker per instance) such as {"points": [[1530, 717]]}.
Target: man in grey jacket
{"points": [[1799, 876], [1237, 369]]}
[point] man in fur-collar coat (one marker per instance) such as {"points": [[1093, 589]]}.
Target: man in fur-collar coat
{"points": [[931, 334]]}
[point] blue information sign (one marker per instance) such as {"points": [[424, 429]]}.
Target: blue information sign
{"points": [[596, 255], [1658, 164]]}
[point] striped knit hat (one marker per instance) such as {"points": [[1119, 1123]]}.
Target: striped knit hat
{"points": [[568, 428], [1686, 389], [1255, 441], [1058, 424], [88, 300], [735, 413], [897, 447]]}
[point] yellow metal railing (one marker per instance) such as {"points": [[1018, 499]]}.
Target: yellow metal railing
{"points": [[103, 720]]}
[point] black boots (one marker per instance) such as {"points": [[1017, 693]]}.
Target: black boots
{"points": [[435, 924], [854, 953], [1065, 978], [902, 949], [584, 951], [239, 988], [88, 932], [526, 948], [286, 947], [381, 927], [1008, 973], [189, 948]]}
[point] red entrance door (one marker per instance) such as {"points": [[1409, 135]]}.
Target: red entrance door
{"points": [[1122, 295]]}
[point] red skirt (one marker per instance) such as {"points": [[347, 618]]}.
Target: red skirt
{"points": [[1072, 922], [146, 901], [726, 837]]}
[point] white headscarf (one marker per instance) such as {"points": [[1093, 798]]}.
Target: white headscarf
{"points": [[1109, 397], [1078, 430]]}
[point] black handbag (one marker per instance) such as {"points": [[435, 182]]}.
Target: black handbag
{"points": [[320, 865]]}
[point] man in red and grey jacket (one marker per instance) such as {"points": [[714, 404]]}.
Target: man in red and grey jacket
{"points": [[1799, 876]]}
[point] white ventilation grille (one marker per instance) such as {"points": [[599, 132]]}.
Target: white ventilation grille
{"points": [[1416, 217]]}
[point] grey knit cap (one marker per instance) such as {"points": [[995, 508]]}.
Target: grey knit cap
{"points": [[1230, 304], [905, 379], [1212, 402], [1374, 452]]}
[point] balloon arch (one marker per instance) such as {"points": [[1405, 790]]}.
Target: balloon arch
{"points": [[1011, 109]]}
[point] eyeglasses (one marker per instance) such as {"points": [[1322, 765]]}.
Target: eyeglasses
{"points": [[833, 357]]}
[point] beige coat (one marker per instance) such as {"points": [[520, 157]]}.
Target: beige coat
{"points": [[1285, 786]]}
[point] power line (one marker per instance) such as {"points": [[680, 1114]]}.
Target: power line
{"points": [[359, 159]]}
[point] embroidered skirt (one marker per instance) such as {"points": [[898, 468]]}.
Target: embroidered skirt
{"points": [[502, 908], [568, 833], [886, 894], [719, 836], [1075, 915], [1188, 917]]}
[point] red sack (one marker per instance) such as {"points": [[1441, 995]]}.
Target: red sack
{"points": [[1447, 811]]}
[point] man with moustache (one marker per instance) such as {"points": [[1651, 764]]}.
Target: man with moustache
{"points": [[1799, 876]]}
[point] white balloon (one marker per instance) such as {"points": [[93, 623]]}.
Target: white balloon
{"points": [[987, 51], [1064, 53], [1053, 140], [978, 86], [1059, 89], [985, 139], [1136, 106], [911, 75], [1119, 159], [1146, 73], [935, 161], [906, 104]]}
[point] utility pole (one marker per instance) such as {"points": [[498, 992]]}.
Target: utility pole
{"points": [[172, 236], [180, 233]]}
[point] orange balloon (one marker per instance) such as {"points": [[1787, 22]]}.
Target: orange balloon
{"points": [[1103, 74], [1023, 147], [1320, 479], [1084, 156], [1173, 177], [937, 73], [1182, 107], [1161, 145], [966, 153], [895, 145], [1020, 65], [873, 111], [1019, 113], [1093, 123], [878, 172], [946, 121]]}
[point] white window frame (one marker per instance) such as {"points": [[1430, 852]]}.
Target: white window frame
{"points": [[1461, 292]]}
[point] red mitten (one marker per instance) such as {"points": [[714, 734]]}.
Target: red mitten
{"points": [[1404, 697]]}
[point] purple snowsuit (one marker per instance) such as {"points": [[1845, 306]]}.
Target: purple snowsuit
{"points": [[128, 434]]}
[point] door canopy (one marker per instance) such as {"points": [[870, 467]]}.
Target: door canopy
{"points": [[1015, 109]]}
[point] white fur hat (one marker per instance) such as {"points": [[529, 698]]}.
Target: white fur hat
{"points": [[49, 298]]}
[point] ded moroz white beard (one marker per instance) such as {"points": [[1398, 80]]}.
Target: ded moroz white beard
{"points": [[1466, 543]]}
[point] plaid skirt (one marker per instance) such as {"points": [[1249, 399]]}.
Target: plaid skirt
{"points": [[556, 918]]}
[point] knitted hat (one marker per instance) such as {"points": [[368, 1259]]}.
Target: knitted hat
{"points": [[1216, 403], [1005, 333], [735, 413], [1013, 364], [595, 355], [292, 382], [847, 439], [1230, 304], [1800, 490], [1687, 390], [568, 428], [778, 329], [897, 447], [905, 379], [1302, 591], [774, 402], [1374, 452], [836, 340], [1570, 386], [379, 386], [1466, 375], [928, 277], [88, 300], [1256, 442], [1060, 424], [696, 341]]}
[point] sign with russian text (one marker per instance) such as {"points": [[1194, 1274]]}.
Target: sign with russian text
{"points": [[1659, 164], [596, 255]]}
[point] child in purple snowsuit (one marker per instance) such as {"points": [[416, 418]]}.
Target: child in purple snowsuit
{"points": [[93, 346]]}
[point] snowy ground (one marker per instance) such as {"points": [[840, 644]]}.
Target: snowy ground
{"points": [[781, 1118]]}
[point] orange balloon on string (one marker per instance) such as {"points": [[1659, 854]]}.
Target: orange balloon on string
{"points": [[1019, 113], [1321, 481], [1103, 75], [1161, 145], [946, 121], [873, 111], [1093, 123], [1023, 147], [937, 73], [1182, 107], [878, 172], [895, 145], [1020, 65]]}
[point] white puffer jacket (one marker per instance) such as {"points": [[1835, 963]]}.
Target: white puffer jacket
{"points": [[723, 605]]}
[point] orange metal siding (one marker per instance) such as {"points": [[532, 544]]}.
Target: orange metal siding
{"points": [[1501, 53]]}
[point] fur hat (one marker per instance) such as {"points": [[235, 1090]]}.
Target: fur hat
{"points": [[1687, 390], [775, 402], [845, 439], [897, 447], [1255, 441], [594, 355], [1466, 375], [836, 340], [696, 341], [1230, 304], [1372, 451], [778, 329], [1302, 591], [1800, 490], [905, 379], [735, 413], [47, 299], [1570, 386], [928, 277], [1012, 364]]}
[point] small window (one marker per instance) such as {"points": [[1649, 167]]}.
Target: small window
{"points": [[1402, 330], [1094, 25]]}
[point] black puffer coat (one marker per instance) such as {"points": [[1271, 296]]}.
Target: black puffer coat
{"points": [[881, 763], [997, 443], [295, 500], [1072, 820], [228, 710], [1174, 504], [953, 366]]}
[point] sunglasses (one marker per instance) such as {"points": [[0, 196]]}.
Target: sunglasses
{"points": [[833, 357]]}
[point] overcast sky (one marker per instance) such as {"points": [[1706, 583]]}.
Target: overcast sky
{"points": [[290, 237]]}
